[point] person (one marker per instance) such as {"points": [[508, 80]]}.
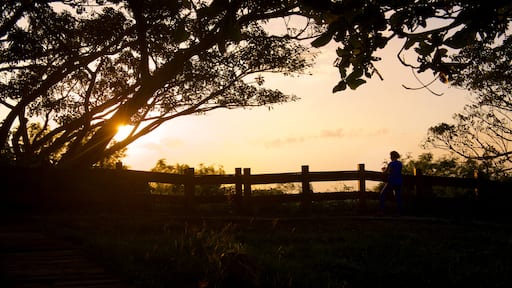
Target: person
{"points": [[394, 181]]}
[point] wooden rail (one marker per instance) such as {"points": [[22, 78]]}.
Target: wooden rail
{"points": [[37, 185], [416, 185]]}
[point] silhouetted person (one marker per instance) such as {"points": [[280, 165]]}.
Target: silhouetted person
{"points": [[393, 171]]}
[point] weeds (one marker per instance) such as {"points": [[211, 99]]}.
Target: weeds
{"points": [[163, 252]]}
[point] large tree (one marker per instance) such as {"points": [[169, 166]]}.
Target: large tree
{"points": [[82, 71], [483, 130]]}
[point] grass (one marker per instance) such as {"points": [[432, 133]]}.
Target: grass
{"points": [[169, 251]]}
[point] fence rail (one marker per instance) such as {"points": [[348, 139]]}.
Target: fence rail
{"points": [[40, 185]]}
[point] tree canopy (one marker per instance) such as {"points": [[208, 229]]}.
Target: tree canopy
{"points": [[432, 31], [483, 130], [177, 189], [132, 62], [446, 166], [82, 68]]}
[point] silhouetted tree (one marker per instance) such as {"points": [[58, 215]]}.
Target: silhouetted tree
{"points": [[483, 130], [447, 166], [430, 30], [84, 70], [178, 189], [444, 166], [132, 62]]}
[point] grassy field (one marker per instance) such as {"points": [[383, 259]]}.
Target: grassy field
{"points": [[171, 251]]}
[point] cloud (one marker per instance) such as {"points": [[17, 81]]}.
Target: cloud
{"points": [[162, 144], [285, 141], [338, 133]]}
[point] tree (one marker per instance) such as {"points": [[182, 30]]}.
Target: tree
{"points": [[483, 130], [432, 29], [154, 60], [150, 62], [446, 166], [177, 189]]}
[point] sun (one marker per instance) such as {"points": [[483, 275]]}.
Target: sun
{"points": [[122, 132]]}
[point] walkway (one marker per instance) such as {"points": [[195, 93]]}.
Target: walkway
{"points": [[30, 259]]}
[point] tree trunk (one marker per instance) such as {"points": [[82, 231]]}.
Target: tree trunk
{"points": [[94, 150]]}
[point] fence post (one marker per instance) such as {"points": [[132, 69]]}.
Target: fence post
{"points": [[189, 188], [238, 182], [418, 182], [423, 184], [362, 187], [238, 189], [306, 189], [478, 183], [246, 202], [247, 183]]}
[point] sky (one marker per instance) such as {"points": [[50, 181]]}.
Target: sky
{"points": [[328, 132]]}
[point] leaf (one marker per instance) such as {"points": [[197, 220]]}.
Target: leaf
{"points": [[322, 40], [234, 31], [342, 52], [341, 86], [181, 34], [354, 83], [425, 49], [356, 74], [461, 39], [397, 19], [409, 43]]}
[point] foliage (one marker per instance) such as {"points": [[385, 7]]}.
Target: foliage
{"points": [[277, 189], [447, 166], [444, 166], [432, 29], [482, 131], [155, 60], [150, 62], [289, 188], [178, 189], [317, 252], [166, 254], [112, 161], [16, 153]]}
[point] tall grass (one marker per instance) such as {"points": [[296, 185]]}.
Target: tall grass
{"points": [[167, 254], [158, 251]]}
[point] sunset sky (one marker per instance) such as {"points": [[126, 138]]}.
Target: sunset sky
{"points": [[326, 131]]}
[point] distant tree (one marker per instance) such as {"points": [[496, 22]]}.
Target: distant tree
{"points": [[444, 166], [178, 189], [447, 166], [277, 189], [112, 161], [289, 188], [482, 132]]}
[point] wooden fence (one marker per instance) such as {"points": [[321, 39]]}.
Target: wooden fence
{"points": [[244, 180], [130, 189], [416, 187], [127, 188]]}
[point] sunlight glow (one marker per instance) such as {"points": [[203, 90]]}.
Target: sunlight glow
{"points": [[122, 132]]}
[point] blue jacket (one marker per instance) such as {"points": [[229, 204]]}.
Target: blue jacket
{"points": [[395, 172]]}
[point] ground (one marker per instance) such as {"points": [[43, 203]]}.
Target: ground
{"points": [[161, 250]]}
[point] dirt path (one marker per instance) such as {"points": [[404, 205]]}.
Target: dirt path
{"points": [[28, 258]]}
